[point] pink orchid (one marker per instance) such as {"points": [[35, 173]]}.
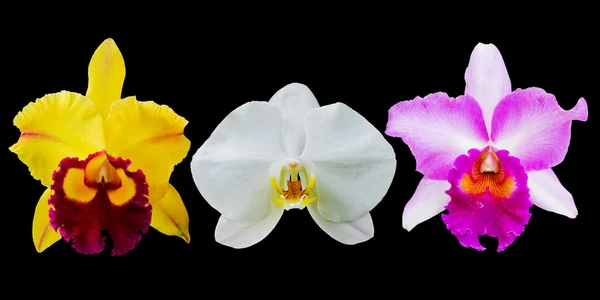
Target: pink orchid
{"points": [[487, 155]]}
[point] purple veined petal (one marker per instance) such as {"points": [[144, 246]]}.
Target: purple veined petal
{"points": [[429, 199], [487, 79], [294, 100], [235, 235], [533, 127], [437, 129], [548, 193]]}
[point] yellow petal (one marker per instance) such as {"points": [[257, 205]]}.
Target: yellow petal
{"points": [[106, 74], [151, 136], [169, 215], [56, 126], [43, 234]]}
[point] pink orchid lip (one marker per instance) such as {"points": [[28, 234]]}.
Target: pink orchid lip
{"points": [[489, 196], [99, 194]]}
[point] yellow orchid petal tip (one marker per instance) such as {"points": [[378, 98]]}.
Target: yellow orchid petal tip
{"points": [[186, 237], [106, 75], [170, 217]]}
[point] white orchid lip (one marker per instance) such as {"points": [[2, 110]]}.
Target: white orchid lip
{"points": [[293, 185]]}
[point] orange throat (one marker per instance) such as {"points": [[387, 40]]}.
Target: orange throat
{"points": [[488, 176]]}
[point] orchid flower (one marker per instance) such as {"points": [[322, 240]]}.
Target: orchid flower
{"points": [[102, 160], [288, 153], [486, 156]]}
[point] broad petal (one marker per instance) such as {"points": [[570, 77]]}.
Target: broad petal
{"points": [[170, 217], [151, 136], [487, 79], [437, 129], [239, 236], [533, 127], [350, 233], [429, 199], [231, 169], [548, 193], [294, 100], [56, 126], [106, 74], [44, 235], [354, 164]]}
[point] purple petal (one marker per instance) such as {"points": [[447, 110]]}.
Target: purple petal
{"points": [[532, 126], [437, 129], [487, 79], [548, 193], [493, 204]]}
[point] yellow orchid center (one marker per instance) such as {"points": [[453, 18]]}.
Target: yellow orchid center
{"points": [[291, 191]]}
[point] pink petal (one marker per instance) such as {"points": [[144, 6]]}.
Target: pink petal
{"points": [[531, 125], [429, 199], [487, 79], [437, 129], [548, 193], [497, 207]]}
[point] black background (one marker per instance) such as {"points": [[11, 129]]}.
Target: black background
{"points": [[205, 69]]}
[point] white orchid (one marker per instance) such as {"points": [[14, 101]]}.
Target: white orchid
{"points": [[289, 153]]}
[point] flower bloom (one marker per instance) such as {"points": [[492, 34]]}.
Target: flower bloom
{"points": [[289, 153], [486, 156], [103, 162]]}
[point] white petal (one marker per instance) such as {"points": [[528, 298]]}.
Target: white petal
{"points": [[429, 199], [231, 169], [346, 233], [294, 100], [487, 79], [547, 193], [354, 164], [238, 236]]}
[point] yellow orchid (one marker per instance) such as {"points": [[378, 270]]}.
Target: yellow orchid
{"points": [[105, 161]]}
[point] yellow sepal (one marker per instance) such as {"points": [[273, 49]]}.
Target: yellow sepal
{"points": [[43, 234], [106, 74], [169, 215]]}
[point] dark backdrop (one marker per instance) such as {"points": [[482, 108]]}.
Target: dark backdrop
{"points": [[205, 69]]}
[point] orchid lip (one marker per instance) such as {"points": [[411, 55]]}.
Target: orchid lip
{"points": [[489, 196], [99, 194], [293, 188]]}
